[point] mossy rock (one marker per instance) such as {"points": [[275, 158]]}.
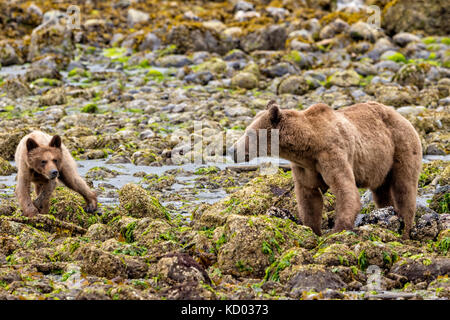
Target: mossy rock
{"points": [[251, 244], [6, 168], [244, 80], [68, 205], [254, 199], [282, 268], [137, 203], [375, 253], [9, 141], [293, 85], [335, 254]]}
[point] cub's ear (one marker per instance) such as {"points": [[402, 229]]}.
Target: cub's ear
{"points": [[274, 114], [55, 142], [31, 144]]}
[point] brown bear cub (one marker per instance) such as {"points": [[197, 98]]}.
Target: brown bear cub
{"points": [[42, 160], [367, 145]]}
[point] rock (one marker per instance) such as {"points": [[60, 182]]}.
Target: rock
{"points": [[136, 16], [313, 278], [151, 42], [406, 15], [411, 74], [15, 88], [345, 78], [196, 38], [421, 268], [334, 255], [385, 217], [99, 232], [136, 202], [52, 97], [202, 77], [279, 70], [6, 168], [251, 244], [404, 38], [245, 80], [362, 31], [394, 96], [174, 60], [68, 205], [243, 6], [181, 268], [426, 227], [8, 55], [393, 56], [293, 85], [54, 36], [100, 263], [270, 38], [238, 112], [145, 157], [9, 141], [333, 28]]}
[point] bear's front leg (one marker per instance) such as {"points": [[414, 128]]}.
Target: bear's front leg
{"points": [[23, 195], [309, 197], [44, 192], [338, 174]]}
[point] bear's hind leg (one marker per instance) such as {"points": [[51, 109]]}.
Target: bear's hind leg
{"points": [[404, 190], [383, 194]]}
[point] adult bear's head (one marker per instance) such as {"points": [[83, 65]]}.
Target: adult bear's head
{"points": [[261, 138]]}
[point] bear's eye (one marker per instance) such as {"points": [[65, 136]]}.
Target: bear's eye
{"points": [[44, 162], [55, 161]]}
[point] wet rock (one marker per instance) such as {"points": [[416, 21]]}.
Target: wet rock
{"points": [[385, 217], [375, 253], [395, 96], [413, 15], [136, 202], [426, 227], [6, 168], [145, 157], [293, 85], [251, 244], [136, 16]]}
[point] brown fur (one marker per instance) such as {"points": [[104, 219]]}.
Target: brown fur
{"points": [[367, 145], [42, 160]]}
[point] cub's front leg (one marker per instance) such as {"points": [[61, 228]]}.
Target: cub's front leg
{"points": [[23, 195], [44, 192]]}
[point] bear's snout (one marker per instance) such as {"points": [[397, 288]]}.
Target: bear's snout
{"points": [[54, 174]]}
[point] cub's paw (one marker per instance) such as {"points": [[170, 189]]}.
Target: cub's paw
{"points": [[30, 211], [91, 206]]}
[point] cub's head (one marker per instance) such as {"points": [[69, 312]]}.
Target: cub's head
{"points": [[261, 138], [45, 160]]}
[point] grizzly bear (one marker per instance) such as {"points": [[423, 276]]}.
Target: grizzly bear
{"points": [[42, 160], [366, 145]]}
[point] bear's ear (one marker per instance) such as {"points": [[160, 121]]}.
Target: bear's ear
{"points": [[274, 114], [55, 142], [31, 144]]}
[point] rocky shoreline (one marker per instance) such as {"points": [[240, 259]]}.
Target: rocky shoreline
{"points": [[125, 89]]}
